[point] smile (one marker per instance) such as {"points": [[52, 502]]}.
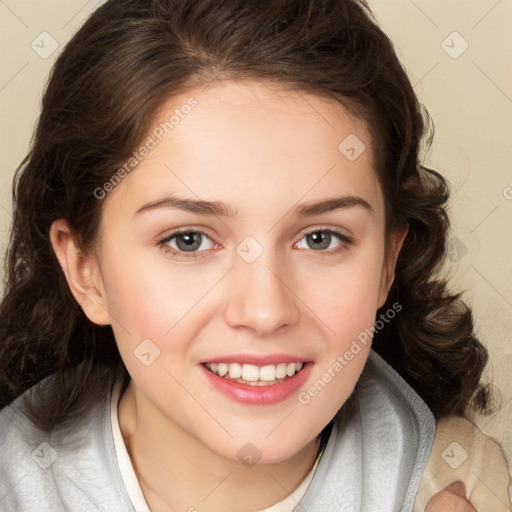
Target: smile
{"points": [[251, 374], [252, 384]]}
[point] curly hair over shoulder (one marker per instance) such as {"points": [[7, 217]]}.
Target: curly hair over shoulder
{"points": [[125, 62]]}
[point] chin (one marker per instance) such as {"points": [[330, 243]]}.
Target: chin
{"points": [[258, 449]]}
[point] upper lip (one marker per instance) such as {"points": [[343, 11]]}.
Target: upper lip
{"points": [[257, 360]]}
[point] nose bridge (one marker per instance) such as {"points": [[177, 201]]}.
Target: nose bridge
{"points": [[259, 296]]}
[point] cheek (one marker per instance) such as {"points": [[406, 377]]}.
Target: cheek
{"points": [[148, 296], [346, 297]]}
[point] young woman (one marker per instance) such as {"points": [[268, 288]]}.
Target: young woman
{"points": [[222, 290]]}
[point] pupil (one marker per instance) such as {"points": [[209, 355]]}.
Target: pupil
{"points": [[188, 241], [320, 238]]}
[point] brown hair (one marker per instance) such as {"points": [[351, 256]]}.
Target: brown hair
{"points": [[103, 94]]}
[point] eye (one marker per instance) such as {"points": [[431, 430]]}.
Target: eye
{"points": [[323, 239], [182, 242], [194, 243]]}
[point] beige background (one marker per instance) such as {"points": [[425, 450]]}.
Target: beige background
{"points": [[468, 92]]}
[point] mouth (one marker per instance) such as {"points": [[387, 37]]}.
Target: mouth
{"points": [[253, 375]]}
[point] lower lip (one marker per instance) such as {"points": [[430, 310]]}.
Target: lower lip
{"points": [[259, 395]]}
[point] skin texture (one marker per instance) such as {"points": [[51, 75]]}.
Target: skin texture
{"points": [[262, 150], [451, 499]]}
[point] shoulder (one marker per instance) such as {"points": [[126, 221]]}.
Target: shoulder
{"points": [[462, 452], [73, 468], [23, 455], [18, 435]]}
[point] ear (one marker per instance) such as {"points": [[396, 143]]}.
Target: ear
{"points": [[396, 241], [82, 273]]}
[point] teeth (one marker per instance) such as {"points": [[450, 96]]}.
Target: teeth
{"points": [[235, 371], [222, 369], [250, 373], [281, 370], [258, 375], [268, 372]]}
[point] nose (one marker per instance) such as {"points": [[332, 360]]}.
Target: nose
{"points": [[261, 297]]}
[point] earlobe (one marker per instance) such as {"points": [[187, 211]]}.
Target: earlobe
{"points": [[81, 272], [388, 272]]}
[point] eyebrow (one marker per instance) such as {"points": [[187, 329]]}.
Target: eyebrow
{"points": [[219, 209]]}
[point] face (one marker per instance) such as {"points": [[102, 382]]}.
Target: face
{"points": [[247, 239]]}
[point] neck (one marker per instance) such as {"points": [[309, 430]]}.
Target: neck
{"points": [[166, 462]]}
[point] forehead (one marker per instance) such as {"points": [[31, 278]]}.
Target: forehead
{"points": [[243, 104], [237, 140]]}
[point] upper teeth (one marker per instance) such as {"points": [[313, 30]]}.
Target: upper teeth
{"points": [[253, 373]]}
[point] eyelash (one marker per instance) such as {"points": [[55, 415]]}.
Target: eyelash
{"points": [[345, 240]]}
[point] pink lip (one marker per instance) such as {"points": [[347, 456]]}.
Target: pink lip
{"points": [[258, 395], [256, 359]]}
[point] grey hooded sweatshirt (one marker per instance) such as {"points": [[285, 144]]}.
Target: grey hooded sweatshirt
{"points": [[373, 460]]}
